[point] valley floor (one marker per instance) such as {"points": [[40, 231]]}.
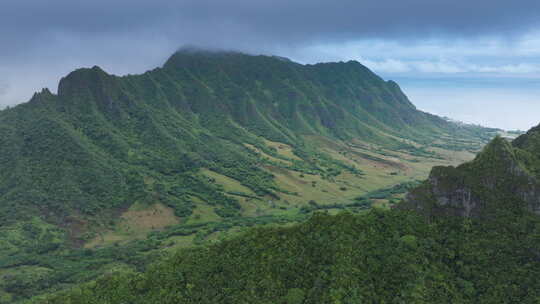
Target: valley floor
{"points": [[379, 178]]}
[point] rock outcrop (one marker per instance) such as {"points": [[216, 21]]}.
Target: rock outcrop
{"points": [[503, 177]]}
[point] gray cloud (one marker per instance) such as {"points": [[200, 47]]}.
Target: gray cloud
{"points": [[28, 24], [3, 88], [41, 41]]}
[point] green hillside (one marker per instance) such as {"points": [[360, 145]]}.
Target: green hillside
{"points": [[504, 176], [469, 234], [111, 171], [378, 257]]}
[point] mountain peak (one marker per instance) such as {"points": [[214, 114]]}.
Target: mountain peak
{"points": [[38, 97], [498, 150], [195, 57], [206, 51], [81, 79], [184, 56], [529, 141]]}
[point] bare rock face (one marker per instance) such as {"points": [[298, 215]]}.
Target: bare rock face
{"points": [[444, 193], [501, 178]]}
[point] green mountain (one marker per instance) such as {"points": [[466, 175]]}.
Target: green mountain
{"points": [[503, 177], [473, 237], [210, 142], [89, 148]]}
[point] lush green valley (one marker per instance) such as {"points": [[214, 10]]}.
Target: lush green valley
{"points": [[112, 173], [469, 234]]}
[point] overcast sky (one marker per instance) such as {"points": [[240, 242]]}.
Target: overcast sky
{"points": [[476, 61]]}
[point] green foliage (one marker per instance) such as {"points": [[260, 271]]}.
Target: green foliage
{"points": [[377, 257], [71, 163], [30, 273], [387, 193], [33, 235], [502, 179]]}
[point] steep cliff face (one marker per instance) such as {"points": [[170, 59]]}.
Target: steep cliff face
{"points": [[502, 178]]}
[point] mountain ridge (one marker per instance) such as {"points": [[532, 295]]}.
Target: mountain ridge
{"points": [[101, 115], [171, 117]]}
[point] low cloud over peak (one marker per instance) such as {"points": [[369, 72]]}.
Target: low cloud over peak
{"points": [[44, 40]]}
